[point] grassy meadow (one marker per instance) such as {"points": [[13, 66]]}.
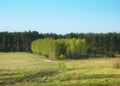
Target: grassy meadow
{"points": [[25, 69]]}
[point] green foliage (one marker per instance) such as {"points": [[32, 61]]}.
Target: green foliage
{"points": [[76, 48], [60, 48], [100, 44], [17, 41], [61, 56], [44, 47]]}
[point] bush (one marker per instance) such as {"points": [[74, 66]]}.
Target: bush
{"points": [[62, 56]]}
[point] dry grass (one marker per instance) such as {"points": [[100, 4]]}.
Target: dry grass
{"points": [[116, 63], [16, 65], [23, 61], [74, 72]]}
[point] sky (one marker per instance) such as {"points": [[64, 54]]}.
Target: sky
{"points": [[60, 16]]}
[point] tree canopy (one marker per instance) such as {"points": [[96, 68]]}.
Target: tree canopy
{"points": [[60, 48], [100, 44]]}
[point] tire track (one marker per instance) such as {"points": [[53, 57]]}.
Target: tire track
{"points": [[30, 78]]}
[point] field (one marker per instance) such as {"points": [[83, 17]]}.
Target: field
{"points": [[25, 69]]}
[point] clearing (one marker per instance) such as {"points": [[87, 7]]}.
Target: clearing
{"points": [[25, 69]]}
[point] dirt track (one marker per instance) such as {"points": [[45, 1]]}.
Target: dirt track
{"points": [[30, 78]]}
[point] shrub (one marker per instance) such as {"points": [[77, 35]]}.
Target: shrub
{"points": [[62, 56]]}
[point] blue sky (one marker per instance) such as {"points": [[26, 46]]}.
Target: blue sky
{"points": [[60, 16]]}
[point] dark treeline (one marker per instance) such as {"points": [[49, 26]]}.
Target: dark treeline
{"points": [[17, 41], [21, 41], [99, 43]]}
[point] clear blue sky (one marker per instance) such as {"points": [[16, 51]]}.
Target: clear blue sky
{"points": [[60, 16]]}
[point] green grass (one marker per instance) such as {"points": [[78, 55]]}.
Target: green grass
{"points": [[87, 72], [17, 65]]}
